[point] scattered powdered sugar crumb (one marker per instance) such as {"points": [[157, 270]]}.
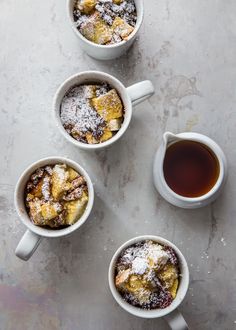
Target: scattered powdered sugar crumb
{"points": [[223, 241]]}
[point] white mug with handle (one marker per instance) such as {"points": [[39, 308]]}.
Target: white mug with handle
{"points": [[171, 313], [33, 235], [130, 97]]}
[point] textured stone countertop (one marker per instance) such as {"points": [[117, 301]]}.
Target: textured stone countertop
{"points": [[188, 50]]}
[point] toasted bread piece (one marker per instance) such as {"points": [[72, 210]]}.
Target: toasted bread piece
{"points": [[35, 212], [122, 278], [114, 124], [91, 139], [89, 91], [49, 211], [75, 209], [106, 135], [96, 30], [59, 181], [37, 191], [168, 275], [109, 105], [174, 288], [86, 6], [72, 174], [118, 2], [122, 28]]}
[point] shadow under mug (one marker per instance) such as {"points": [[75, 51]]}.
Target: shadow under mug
{"points": [[130, 97], [171, 314], [32, 237]]}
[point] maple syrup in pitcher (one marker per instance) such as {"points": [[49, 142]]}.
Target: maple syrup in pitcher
{"points": [[190, 168]]}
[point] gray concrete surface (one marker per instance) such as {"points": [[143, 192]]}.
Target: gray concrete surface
{"points": [[188, 50]]}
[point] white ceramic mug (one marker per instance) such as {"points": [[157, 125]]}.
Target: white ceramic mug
{"points": [[106, 52], [130, 96], [32, 237], [170, 313], [166, 192]]}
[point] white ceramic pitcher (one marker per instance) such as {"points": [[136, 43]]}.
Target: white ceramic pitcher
{"points": [[158, 175]]}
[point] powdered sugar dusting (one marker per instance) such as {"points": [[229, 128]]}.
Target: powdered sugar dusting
{"points": [[46, 188], [108, 11], [139, 265], [144, 274], [140, 256], [60, 171], [77, 114]]}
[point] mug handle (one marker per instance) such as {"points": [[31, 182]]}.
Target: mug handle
{"points": [[141, 91], [27, 245], [176, 321]]}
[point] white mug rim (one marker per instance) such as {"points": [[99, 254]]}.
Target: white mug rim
{"points": [[138, 24], [155, 313], [102, 77], [21, 209]]}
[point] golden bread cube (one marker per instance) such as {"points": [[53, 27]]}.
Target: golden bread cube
{"points": [[89, 91], [35, 212], [103, 33], [118, 2], [135, 284], [76, 133], [122, 28], [168, 275], [59, 181], [122, 278], [174, 288], [91, 139], [49, 211], [106, 135], [109, 105], [96, 30], [72, 174], [88, 30], [75, 209], [29, 197], [86, 6], [37, 191], [114, 124]]}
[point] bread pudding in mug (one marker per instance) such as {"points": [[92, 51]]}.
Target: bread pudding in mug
{"points": [[56, 196], [105, 22], [92, 113], [147, 275]]}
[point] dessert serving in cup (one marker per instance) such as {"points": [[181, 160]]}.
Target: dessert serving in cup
{"points": [[105, 28], [93, 109], [53, 198], [148, 277]]}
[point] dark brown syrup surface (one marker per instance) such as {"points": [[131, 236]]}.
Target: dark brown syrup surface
{"points": [[190, 168]]}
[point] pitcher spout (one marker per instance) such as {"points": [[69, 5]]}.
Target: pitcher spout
{"points": [[169, 137]]}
